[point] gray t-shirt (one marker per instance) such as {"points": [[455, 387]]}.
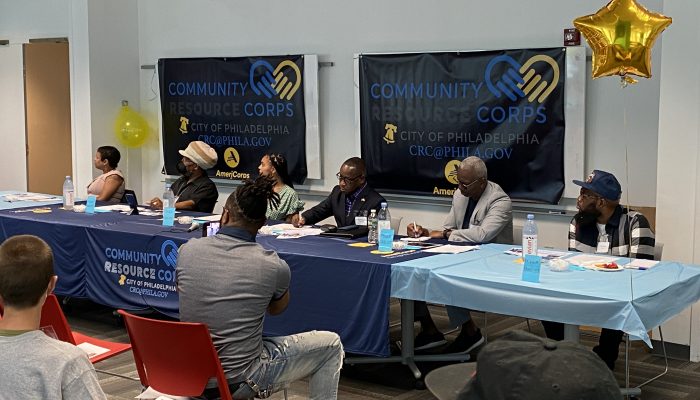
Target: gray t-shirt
{"points": [[35, 366], [227, 283]]}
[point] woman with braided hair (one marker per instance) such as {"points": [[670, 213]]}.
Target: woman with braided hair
{"points": [[274, 165]]}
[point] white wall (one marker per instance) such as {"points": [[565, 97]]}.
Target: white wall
{"points": [[103, 35], [14, 161], [337, 30], [678, 197], [19, 22], [23, 20], [114, 76], [104, 65]]}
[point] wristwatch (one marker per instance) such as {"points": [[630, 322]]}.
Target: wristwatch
{"points": [[446, 233]]}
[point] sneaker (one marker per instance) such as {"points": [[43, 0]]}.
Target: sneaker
{"points": [[465, 343], [425, 341]]}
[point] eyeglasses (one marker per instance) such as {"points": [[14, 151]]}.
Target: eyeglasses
{"points": [[466, 186], [346, 179]]}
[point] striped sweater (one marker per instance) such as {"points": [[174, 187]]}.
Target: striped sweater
{"points": [[584, 238]]}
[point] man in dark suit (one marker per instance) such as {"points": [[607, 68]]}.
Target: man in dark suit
{"points": [[351, 195]]}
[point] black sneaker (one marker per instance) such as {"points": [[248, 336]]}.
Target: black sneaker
{"points": [[425, 341], [465, 343]]}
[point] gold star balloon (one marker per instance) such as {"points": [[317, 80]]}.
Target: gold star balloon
{"points": [[621, 35]]}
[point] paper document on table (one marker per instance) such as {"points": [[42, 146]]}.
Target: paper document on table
{"points": [[289, 231], [590, 259], [276, 229], [545, 254], [114, 207], [451, 249], [29, 197], [211, 218], [299, 232], [91, 349], [415, 239], [641, 264]]}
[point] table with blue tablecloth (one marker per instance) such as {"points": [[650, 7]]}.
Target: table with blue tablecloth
{"points": [[12, 199], [129, 262], [633, 301]]}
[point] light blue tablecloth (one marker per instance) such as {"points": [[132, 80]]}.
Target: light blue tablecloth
{"points": [[10, 205], [489, 280]]}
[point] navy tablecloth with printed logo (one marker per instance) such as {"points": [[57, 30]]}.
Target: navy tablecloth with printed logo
{"points": [[129, 262]]}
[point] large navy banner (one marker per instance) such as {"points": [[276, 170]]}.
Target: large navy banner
{"points": [[242, 107], [421, 114]]}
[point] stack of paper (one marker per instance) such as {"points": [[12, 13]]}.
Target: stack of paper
{"points": [[641, 264]]}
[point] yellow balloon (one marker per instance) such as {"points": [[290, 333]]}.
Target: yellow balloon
{"points": [[621, 35], [130, 127]]}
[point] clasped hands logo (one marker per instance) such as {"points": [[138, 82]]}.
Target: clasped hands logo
{"points": [[520, 81], [283, 80]]}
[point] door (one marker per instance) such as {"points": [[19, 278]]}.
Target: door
{"points": [[47, 102]]}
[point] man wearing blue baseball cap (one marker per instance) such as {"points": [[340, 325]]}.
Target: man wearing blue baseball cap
{"points": [[603, 226]]}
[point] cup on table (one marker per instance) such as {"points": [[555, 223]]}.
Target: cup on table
{"points": [[398, 245], [184, 220]]}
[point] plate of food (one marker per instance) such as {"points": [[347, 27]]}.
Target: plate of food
{"points": [[605, 266]]}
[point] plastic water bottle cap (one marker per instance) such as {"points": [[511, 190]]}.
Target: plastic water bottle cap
{"points": [[384, 204], [530, 216]]}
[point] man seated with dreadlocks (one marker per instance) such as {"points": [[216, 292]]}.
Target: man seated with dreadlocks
{"points": [[228, 282]]}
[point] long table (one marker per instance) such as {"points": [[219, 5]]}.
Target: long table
{"points": [[633, 301], [129, 262]]}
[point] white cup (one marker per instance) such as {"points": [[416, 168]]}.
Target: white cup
{"points": [[398, 245], [558, 265], [184, 220]]}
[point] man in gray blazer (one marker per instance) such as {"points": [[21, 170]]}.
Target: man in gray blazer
{"points": [[481, 212]]}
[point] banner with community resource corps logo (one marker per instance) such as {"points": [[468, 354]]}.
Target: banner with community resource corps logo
{"points": [[421, 114], [243, 107]]}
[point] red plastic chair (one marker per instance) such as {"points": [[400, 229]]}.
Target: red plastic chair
{"points": [[52, 315], [177, 358]]}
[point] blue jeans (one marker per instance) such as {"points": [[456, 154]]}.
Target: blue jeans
{"points": [[285, 359]]}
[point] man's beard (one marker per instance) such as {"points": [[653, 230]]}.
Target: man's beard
{"points": [[587, 217]]}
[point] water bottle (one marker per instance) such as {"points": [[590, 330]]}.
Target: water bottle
{"points": [[372, 227], [530, 236], [383, 218], [68, 193], [168, 197]]}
